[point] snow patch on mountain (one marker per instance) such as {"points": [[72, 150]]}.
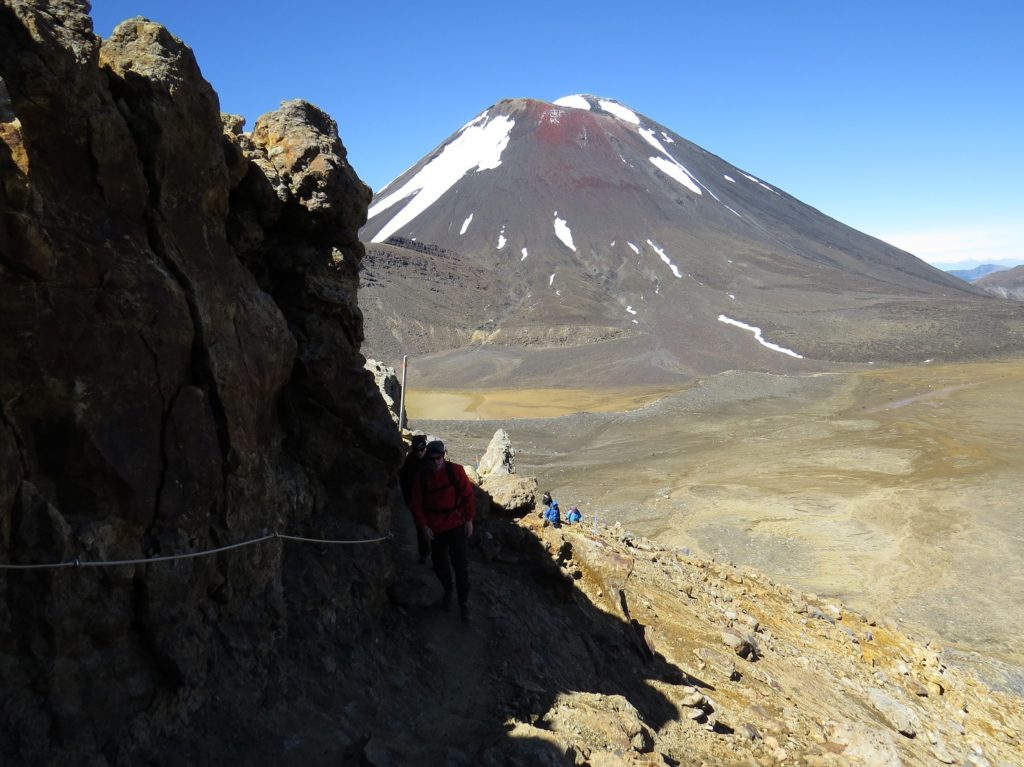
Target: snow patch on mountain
{"points": [[477, 147], [666, 259], [631, 310], [634, 247], [563, 232], [617, 110], [729, 178], [648, 135], [670, 167], [576, 102], [667, 137], [757, 335], [501, 238], [675, 171], [465, 225], [551, 279], [525, 254], [758, 182]]}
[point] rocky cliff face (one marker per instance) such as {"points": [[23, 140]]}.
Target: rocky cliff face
{"points": [[181, 371]]}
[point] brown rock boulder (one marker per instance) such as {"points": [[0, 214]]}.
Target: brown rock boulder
{"points": [[594, 722], [512, 493], [600, 562]]}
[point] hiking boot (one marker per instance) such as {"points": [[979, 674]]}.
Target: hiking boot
{"points": [[446, 602], [464, 613]]}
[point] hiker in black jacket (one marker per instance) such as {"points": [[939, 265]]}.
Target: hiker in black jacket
{"points": [[406, 475]]}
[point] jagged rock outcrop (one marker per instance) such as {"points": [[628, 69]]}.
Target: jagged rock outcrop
{"points": [[499, 459], [181, 371], [390, 388]]}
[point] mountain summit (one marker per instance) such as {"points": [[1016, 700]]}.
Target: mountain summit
{"points": [[585, 222]]}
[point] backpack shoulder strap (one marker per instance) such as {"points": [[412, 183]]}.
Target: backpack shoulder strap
{"points": [[454, 483]]}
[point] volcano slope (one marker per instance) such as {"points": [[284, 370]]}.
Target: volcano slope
{"points": [[612, 248]]}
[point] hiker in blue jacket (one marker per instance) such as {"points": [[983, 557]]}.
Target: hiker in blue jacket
{"points": [[552, 514], [573, 517]]}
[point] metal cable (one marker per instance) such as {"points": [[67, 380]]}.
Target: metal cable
{"points": [[76, 562], [321, 540]]}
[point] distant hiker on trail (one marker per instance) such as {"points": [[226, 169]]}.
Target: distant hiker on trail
{"points": [[413, 463], [574, 516], [444, 508], [552, 514]]}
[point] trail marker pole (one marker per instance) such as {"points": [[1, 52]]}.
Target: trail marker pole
{"points": [[401, 399]]}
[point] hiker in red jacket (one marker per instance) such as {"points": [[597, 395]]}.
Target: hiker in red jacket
{"points": [[444, 508]]}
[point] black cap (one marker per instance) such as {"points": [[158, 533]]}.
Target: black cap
{"points": [[419, 441], [435, 448]]}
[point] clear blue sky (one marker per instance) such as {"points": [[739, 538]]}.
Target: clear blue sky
{"points": [[902, 119]]}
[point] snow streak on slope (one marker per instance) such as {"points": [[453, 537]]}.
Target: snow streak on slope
{"points": [[665, 258], [676, 171], [576, 102], [477, 147], [758, 336], [623, 113], [758, 182], [670, 167], [465, 225], [563, 232]]}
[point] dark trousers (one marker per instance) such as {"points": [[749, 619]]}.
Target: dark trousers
{"points": [[422, 543], [450, 546]]}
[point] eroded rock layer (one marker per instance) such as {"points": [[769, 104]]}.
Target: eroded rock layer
{"points": [[180, 371]]}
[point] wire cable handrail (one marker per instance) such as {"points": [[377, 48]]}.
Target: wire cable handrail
{"points": [[78, 562]]}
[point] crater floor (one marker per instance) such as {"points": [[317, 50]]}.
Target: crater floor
{"points": [[896, 490]]}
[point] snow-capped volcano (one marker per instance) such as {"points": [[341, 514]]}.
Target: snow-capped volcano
{"points": [[576, 143], [586, 216]]}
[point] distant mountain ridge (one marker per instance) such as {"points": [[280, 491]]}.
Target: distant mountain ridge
{"points": [[1005, 284], [970, 275], [585, 216]]}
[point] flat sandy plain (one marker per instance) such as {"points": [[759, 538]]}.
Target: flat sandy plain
{"points": [[898, 490]]}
